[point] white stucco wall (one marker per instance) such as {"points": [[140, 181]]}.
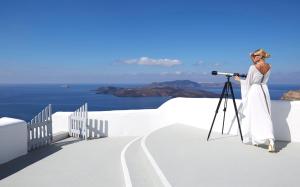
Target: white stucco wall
{"points": [[13, 139], [120, 122], [200, 113], [130, 122], [196, 112], [60, 122]]}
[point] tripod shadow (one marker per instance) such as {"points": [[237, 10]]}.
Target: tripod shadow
{"points": [[234, 118]]}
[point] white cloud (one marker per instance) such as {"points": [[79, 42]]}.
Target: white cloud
{"points": [[199, 62], [171, 73], [150, 61], [216, 64], [164, 73]]}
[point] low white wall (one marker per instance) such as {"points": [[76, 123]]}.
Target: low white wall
{"points": [[13, 139], [200, 113], [197, 112], [120, 122], [130, 122], [286, 120], [60, 122]]}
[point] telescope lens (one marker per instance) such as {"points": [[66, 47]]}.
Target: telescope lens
{"points": [[214, 73]]}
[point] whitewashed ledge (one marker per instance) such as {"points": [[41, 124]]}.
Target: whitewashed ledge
{"points": [[13, 139], [197, 112]]}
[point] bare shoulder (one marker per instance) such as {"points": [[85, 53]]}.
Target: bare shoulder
{"points": [[258, 66], [263, 68]]}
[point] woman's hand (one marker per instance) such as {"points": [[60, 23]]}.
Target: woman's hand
{"points": [[237, 78]]}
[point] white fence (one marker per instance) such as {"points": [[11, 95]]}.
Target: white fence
{"points": [[78, 122], [80, 126], [39, 129], [97, 128]]}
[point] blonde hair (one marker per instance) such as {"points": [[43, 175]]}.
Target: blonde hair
{"points": [[262, 53]]}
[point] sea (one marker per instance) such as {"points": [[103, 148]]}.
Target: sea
{"points": [[24, 101]]}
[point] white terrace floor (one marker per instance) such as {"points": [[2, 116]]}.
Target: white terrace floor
{"points": [[182, 153]]}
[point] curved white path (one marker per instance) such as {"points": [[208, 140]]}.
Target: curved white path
{"points": [[127, 178], [69, 163], [139, 167], [154, 164], [177, 155], [187, 159]]}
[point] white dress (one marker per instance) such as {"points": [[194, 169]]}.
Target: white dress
{"points": [[255, 114]]}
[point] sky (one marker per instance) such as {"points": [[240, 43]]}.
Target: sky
{"points": [[108, 41]]}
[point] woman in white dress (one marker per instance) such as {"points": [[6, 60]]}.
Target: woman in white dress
{"points": [[255, 114]]}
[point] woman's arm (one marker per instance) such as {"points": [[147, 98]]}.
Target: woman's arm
{"points": [[245, 84], [252, 57]]}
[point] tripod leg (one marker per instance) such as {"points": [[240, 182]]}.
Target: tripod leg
{"points": [[225, 107], [236, 112], [220, 100]]}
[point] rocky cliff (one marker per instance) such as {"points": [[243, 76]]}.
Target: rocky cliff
{"points": [[291, 95]]}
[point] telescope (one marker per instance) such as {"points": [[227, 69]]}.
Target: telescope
{"points": [[226, 92], [228, 74]]}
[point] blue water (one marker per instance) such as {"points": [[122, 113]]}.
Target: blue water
{"points": [[276, 90], [24, 101]]}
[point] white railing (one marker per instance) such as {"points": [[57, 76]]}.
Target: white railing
{"points": [[97, 128], [39, 129], [78, 122], [80, 126]]}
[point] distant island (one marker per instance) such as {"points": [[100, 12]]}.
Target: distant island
{"points": [[178, 88], [65, 86], [291, 95]]}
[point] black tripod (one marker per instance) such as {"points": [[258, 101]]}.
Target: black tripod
{"points": [[225, 91]]}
